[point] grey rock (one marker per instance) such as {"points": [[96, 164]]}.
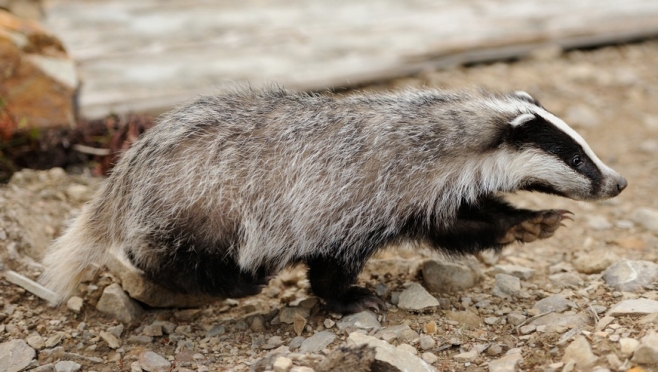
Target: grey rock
{"points": [[54, 340], [520, 272], [508, 363], [152, 362], [36, 341], [430, 358], [555, 303], [317, 342], [296, 342], [393, 332], [426, 342], [448, 276], [364, 320], [647, 352], [647, 218], [564, 280], [630, 276], [112, 341], [468, 356], [515, 318], [381, 289], [74, 304], [594, 262], [627, 346], [67, 366], [115, 302], [599, 223], [416, 298], [562, 320], [153, 330], [287, 314], [640, 306], [140, 339], [45, 368], [506, 286], [216, 331], [15, 355], [389, 354], [580, 352], [467, 318], [491, 320], [116, 330], [272, 343], [527, 329]]}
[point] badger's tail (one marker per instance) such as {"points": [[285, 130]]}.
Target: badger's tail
{"points": [[67, 260]]}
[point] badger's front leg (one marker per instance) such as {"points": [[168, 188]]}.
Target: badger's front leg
{"points": [[493, 223], [333, 281]]}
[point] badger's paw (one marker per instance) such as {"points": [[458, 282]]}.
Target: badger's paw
{"points": [[541, 225], [356, 299]]}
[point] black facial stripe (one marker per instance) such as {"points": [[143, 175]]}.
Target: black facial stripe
{"points": [[541, 134]]}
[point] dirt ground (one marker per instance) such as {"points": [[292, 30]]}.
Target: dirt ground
{"points": [[609, 95]]}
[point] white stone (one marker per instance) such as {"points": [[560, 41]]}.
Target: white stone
{"points": [[67, 366], [508, 363], [520, 272], [416, 298], [282, 364], [317, 342], [152, 362], [15, 355], [647, 352], [647, 218], [112, 341], [580, 352], [387, 353], [506, 286], [364, 320], [74, 304], [640, 306], [628, 345], [631, 276], [468, 356]]}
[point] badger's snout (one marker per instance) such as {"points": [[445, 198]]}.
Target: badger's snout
{"points": [[615, 185]]}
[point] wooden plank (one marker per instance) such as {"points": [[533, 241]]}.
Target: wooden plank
{"points": [[150, 54]]}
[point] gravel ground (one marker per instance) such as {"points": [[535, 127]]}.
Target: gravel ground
{"points": [[586, 299]]}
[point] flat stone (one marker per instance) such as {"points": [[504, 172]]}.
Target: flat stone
{"points": [[216, 331], [594, 262], [520, 272], [627, 345], [416, 298], [508, 363], [444, 277], [649, 319], [152, 362], [647, 352], [287, 314], [562, 320], [580, 352], [468, 356], [15, 355], [506, 286], [566, 280], [112, 341], [647, 218], [430, 358], [67, 366], [364, 320], [467, 318], [153, 330], [296, 342], [640, 306], [187, 315], [407, 348], [54, 340], [555, 303], [317, 342], [35, 341], [116, 303], [272, 343], [630, 276], [116, 330], [392, 357]]}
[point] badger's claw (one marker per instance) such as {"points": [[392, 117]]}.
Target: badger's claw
{"points": [[541, 226], [356, 300]]}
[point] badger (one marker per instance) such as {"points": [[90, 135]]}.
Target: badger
{"points": [[228, 190]]}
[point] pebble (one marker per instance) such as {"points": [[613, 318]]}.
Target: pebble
{"points": [[628, 345], [640, 306], [515, 318], [140, 339], [598, 223], [301, 369], [555, 303], [116, 330], [153, 330], [630, 276], [429, 357], [426, 342], [328, 323], [272, 343], [407, 348], [381, 290], [35, 341], [287, 314], [282, 364], [112, 341], [562, 320], [416, 298], [317, 342], [152, 362], [520, 272], [216, 331], [296, 342], [563, 280], [74, 304], [45, 368], [115, 302], [67, 366], [506, 286], [468, 356], [446, 277], [647, 352], [647, 218], [298, 324], [580, 352], [595, 261], [494, 350], [15, 355], [467, 318], [649, 319], [54, 340], [508, 363], [387, 353], [527, 329], [364, 320]]}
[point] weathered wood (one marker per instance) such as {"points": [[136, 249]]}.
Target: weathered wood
{"points": [[150, 54]]}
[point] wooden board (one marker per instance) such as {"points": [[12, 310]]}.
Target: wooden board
{"points": [[147, 55]]}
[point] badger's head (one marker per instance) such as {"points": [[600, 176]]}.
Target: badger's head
{"points": [[551, 157]]}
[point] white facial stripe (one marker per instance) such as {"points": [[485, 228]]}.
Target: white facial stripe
{"points": [[522, 119], [560, 124]]}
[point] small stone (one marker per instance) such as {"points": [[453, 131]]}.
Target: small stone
{"points": [[628, 345], [429, 357], [54, 340], [112, 341], [116, 303], [364, 320], [494, 350], [468, 356], [443, 277], [426, 342], [287, 314], [296, 343], [15, 355], [301, 369], [649, 319], [553, 320], [514, 270], [647, 218], [299, 324], [328, 323], [74, 304], [640, 306], [647, 352], [381, 290], [67, 366], [580, 352], [389, 354], [506, 286], [467, 318], [555, 303], [317, 342], [565, 280], [140, 339], [515, 318], [407, 335], [272, 343], [116, 330], [594, 262], [491, 320], [631, 276], [153, 330], [36, 341], [135, 367], [416, 298], [282, 364], [216, 331], [407, 348], [309, 303], [527, 329], [599, 223], [152, 362], [45, 368], [508, 363]]}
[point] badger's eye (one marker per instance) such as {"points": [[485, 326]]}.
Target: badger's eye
{"points": [[575, 161]]}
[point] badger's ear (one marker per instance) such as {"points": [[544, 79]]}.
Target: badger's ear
{"points": [[521, 119], [525, 96]]}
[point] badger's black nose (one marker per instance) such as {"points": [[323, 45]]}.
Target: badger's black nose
{"points": [[621, 184]]}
